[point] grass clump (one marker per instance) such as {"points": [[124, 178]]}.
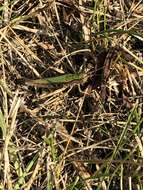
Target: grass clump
{"points": [[84, 130]]}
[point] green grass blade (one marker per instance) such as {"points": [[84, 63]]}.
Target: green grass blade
{"points": [[2, 124]]}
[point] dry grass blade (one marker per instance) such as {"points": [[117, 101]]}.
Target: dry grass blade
{"points": [[138, 59], [84, 22], [10, 127], [19, 53], [83, 172], [28, 185], [139, 145], [28, 53]]}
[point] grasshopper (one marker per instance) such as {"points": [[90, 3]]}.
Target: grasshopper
{"points": [[62, 79]]}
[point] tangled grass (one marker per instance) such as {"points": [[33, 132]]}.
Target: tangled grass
{"points": [[86, 135]]}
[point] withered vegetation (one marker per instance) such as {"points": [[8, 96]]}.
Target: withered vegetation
{"points": [[85, 134]]}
